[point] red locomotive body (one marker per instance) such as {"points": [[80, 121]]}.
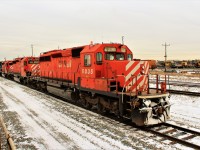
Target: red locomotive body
{"points": [[106, 76], [7, 68], [61, 64], [17, 66]]}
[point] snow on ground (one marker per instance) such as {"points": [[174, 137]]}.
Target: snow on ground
{"points": [[186, 110], [40, 121], [46, 125]]}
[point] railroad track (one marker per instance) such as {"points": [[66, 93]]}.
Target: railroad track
{"points": [[177, 83], [172, 132], [184, 92], [176, 134], [181, 92]]}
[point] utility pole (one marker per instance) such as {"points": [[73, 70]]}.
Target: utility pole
{"points": [[32, 49], [165, 45], [123, 40]]}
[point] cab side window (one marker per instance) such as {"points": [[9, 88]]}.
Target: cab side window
{"points": [[87, 60], [129, 57], [99, 58], [25, 63]]}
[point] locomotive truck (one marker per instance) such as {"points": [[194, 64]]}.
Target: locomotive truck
{"points": [[104, 76]]}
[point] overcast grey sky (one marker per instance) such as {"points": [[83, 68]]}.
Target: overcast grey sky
{"points": [[145, 24]]}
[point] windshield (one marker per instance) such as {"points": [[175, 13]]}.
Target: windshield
{"points": [[120, 56], [115, 56], [33, 62]]}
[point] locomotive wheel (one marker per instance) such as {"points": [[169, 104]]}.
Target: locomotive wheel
{"points": [[39, 86], [43, 87], [82, 102], [74, 97], [88, 105], [100, 108], [21, 81], [25, 82]]}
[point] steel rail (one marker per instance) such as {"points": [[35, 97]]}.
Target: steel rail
{"points": [[184, 92], [178, 83], [182, 128], [174, 139], [181, 92]]}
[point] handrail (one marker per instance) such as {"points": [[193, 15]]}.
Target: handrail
{"points": [[123, 86], [158, 80], [148, 85], [132, 78]]}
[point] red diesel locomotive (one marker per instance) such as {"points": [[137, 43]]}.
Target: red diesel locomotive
{"points": [[7, 68], [21, 69], [104, 76]]}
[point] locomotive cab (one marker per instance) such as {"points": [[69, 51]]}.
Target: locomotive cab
{"points": [[111, 68], [29, 66], [101, 64]]}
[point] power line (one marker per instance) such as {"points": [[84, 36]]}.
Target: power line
{"points": [[165, 45], [32, 49], [123, 40]]}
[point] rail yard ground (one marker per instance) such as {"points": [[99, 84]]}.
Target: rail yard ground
{"points": [[39, 121], [191, 72]]}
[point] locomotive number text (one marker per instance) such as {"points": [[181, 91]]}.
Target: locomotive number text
{"points": [[87, 71]]}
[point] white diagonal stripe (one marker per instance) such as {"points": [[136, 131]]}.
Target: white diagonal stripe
{"points": [[32, 65], [133, 71], [35, 66], [146, 70], [129, 65], [143, 77]]}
